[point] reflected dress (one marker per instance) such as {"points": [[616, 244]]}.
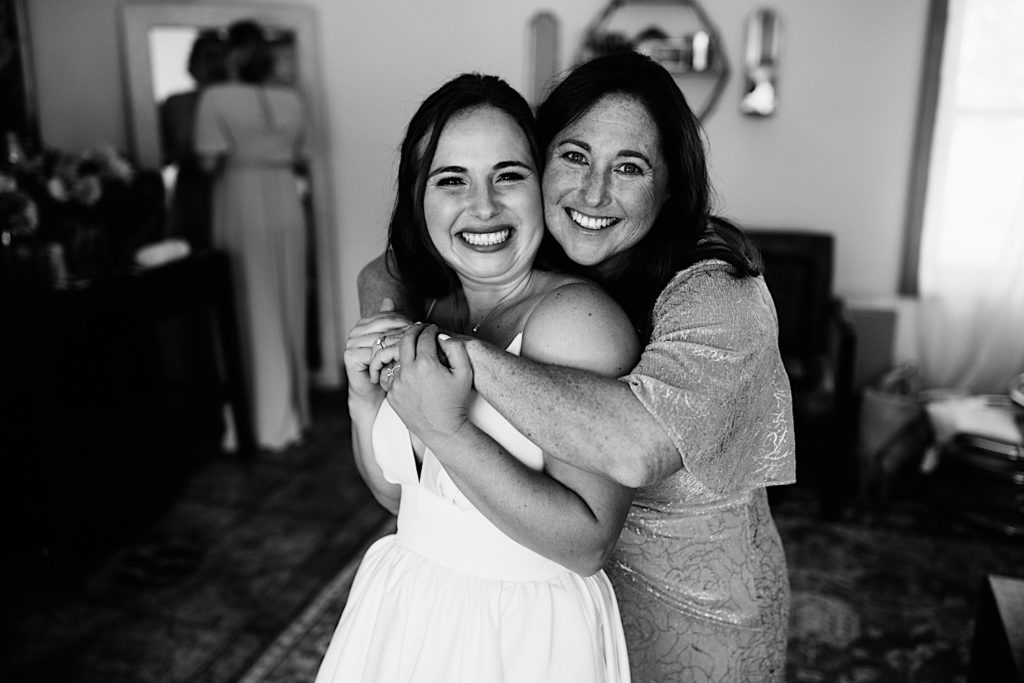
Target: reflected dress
{"points": [[259, 221], [451, 598], [699, 569]]}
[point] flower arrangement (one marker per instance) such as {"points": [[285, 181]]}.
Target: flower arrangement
{"points": [[81, 178], [94, 204]]}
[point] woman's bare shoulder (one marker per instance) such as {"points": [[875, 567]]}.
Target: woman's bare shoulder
{"points": [[576, 323]]}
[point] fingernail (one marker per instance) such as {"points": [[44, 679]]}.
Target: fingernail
{"points": [[444, 337]]}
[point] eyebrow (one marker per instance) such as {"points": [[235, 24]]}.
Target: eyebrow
{"points": [[620, 153], [462, 169]]}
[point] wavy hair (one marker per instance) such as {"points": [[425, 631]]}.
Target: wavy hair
{"points": [[685, 232], [420, 267]]}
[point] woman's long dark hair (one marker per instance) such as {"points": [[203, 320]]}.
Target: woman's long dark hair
{"points": [[420, 267], [685, 231]]}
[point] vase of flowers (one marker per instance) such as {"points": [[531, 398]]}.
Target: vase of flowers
{"points": [[94, 204]]}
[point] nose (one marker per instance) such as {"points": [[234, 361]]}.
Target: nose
{"points": [[485, 203], [595, 188]]}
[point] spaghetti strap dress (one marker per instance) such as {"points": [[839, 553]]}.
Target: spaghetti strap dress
{"points": [[451, 598]]}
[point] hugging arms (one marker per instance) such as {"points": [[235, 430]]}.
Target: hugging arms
{"points": [[591, 421]]}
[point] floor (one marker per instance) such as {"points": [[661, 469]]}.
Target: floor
{"points": [[200, 594], [879, 595]]}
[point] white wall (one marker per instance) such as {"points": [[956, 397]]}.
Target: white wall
{"points": [[835, 157]]}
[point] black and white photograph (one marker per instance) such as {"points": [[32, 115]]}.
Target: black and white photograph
{"points": [[598, 341]]}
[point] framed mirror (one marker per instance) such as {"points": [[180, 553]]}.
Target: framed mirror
{"points": [[157, 38]]}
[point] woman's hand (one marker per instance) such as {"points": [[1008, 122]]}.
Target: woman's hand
{"points": [[365, 337], [430, 385]]}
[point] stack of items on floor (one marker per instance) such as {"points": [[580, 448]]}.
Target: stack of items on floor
{"points": [[977, 464]]}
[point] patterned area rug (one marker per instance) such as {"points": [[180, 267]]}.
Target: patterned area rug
{"points": [[887, 596], [876, 597], [295, 655]]}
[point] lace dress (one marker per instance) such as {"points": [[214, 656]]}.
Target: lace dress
{"points": [[699, 569]]}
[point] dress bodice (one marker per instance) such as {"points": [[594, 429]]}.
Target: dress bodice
{"points": [[393, 447], [253, 125], [436, 519]]}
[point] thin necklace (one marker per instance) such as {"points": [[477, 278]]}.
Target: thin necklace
{"points": [[500, 306]]}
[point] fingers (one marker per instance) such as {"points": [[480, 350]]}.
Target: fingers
{"points": [[455, 351], [389, 375], [381, 359], [407, 344], [426, 344], [376, 335]]}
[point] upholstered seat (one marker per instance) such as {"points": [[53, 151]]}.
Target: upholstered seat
{"points": [[817, 343]]}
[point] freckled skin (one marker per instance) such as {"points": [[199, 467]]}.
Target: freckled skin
{"points": [[606, 165]]}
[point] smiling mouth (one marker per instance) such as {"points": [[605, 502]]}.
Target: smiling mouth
{"points": [[486, 239], [590, 222]]}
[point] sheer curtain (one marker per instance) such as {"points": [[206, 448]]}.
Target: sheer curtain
{"points": [[972, 243]]}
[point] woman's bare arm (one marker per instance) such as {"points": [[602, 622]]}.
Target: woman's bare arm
{"points": [[589, 421], [375, 283], [562, 512]]}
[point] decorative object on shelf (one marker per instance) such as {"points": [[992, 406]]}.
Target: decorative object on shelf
{"points": [[543, 55], [678, 34], [760, 63]]}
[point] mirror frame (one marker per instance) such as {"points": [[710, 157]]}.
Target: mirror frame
{"points": [[139, 17]]}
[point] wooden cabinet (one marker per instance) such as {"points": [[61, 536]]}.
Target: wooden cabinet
{"points": [[112, 395]]}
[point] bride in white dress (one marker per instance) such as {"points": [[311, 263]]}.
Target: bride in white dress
{"points": [[494, 574]]}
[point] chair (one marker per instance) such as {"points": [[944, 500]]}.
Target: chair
{"points": [[817, 343]]}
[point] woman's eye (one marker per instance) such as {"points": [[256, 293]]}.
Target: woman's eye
{"points": [[630, 168], [574, 157], [450, 181], [510, 177]]}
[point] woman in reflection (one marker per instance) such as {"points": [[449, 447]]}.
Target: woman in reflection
{"points": [[250, 134], [189, 216]]}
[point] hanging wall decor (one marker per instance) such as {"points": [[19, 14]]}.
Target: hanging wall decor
{"points": [[678, 34], [761, 63]]}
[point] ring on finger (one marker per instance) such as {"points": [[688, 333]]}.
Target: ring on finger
{"points": [[390, 372], [378, 343]]}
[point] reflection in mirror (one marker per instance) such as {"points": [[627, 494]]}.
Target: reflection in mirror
{"points": [[158, 39], [183, 61]]}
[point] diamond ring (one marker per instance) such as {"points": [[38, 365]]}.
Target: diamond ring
{"points": [[378, 343], [390, 372]]}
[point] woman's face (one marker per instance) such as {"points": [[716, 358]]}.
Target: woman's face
{"points": [[482, 199], [605, 182]]}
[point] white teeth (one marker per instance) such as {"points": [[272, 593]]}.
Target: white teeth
{"points": [[486, 239], [589, 222]]}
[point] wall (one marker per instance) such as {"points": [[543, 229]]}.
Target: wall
{"points": [[835, 157]]}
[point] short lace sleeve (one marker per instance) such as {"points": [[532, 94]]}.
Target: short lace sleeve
{"points": [[712, 376]]}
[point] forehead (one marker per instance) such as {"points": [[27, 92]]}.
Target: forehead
{"points": [[483, 131], [617, 120]]}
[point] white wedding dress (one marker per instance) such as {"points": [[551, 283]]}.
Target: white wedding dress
{"points": [[451, 598]]}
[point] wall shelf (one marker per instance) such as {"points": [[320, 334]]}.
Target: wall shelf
{"points": [[678, 34]]}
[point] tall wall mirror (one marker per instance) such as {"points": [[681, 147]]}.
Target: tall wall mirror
{"points": [[157, 40]]}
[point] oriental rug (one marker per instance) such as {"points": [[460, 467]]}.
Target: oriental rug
{"points": [[878, 596]]}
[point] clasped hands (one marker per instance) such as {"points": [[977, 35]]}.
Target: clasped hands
{"points": [[426, 375]]}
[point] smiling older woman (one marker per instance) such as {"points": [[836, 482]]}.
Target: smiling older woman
{"points": [[703, 424]]}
